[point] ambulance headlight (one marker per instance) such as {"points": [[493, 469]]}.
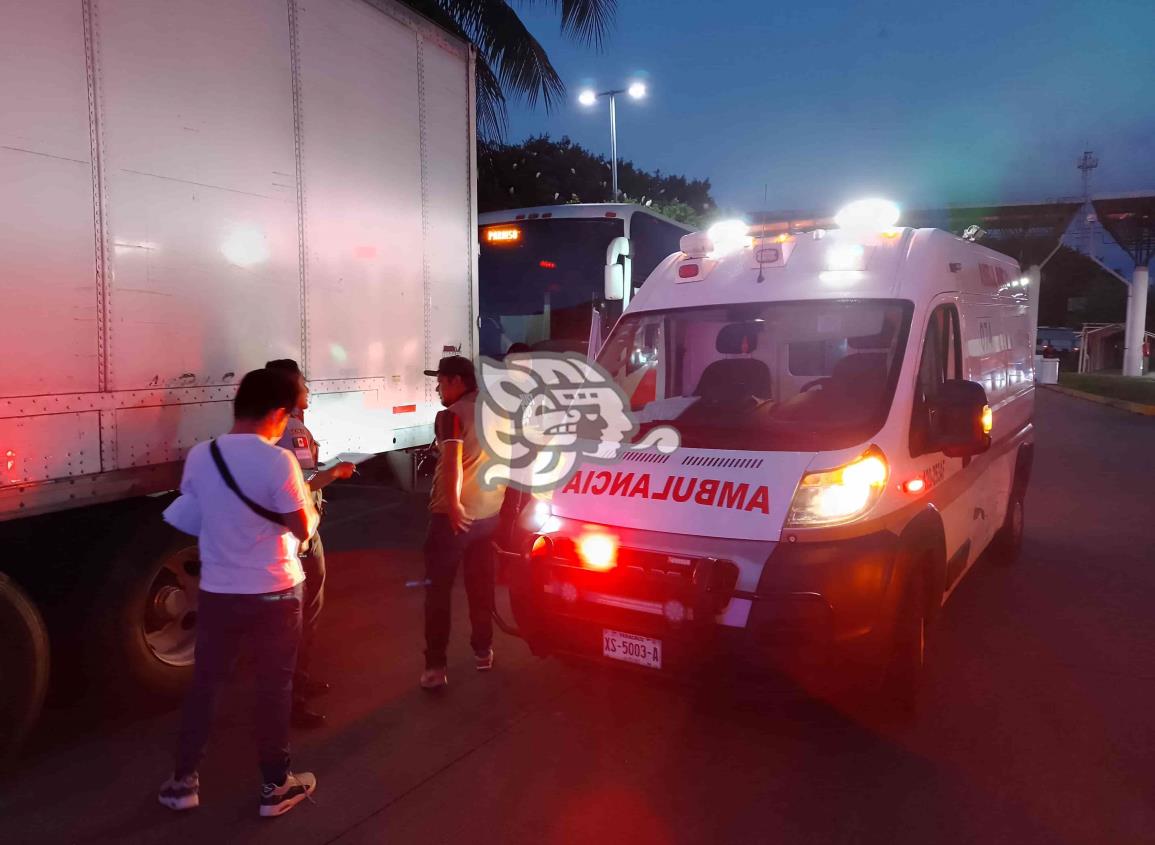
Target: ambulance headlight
{"points": [[839, 495]]}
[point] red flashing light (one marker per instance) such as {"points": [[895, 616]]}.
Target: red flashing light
{"points": [[915, 485], [404, 409], [598, 551], [547, 265], [687, 271], [611, 214], [542, 547]]}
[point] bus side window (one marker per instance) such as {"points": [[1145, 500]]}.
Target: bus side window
{"points": [[651, 241], [940, 362]]}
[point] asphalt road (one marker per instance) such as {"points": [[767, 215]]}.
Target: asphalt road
{"points": [[1036, 727]]}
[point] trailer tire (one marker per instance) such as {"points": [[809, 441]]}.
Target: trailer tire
{"points": [[144, 623], [24, 666]]}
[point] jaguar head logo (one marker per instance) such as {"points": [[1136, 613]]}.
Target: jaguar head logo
{"points": [[541, 415]]}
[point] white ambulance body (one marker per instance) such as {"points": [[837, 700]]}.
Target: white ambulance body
{"points": [[855, 409]]}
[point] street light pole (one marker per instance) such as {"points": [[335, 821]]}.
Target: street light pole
{"points": [[614, 141], [637, 90]]}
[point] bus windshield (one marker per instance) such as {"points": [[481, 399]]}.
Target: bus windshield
{"points": [[782, 376], [538, 287]]}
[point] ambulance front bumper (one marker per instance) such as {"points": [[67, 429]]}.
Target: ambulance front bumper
{"points": [[804, 604]]}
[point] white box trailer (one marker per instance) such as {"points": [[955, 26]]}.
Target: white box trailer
{"points": [[189, 189]]}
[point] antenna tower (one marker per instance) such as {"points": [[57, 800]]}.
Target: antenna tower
{"points": [[1086, 164]]}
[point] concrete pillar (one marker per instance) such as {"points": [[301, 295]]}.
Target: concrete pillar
{"points": [[1034, 278], [1133, 334]]}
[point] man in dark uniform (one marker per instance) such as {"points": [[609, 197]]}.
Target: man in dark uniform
{"points": [[463, 516], [298, 440]]}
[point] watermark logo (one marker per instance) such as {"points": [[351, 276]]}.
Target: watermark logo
{"points": [[541, 415]]}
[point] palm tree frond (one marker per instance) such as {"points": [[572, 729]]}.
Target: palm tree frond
{"points": [[517, 58], [588, 21], [490, 100]]}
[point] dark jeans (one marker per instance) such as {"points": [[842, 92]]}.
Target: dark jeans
{"points": [[270, 626], [444, 553], [313, 562]]}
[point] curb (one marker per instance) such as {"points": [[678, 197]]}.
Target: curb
{"points": [[1121, 404]]}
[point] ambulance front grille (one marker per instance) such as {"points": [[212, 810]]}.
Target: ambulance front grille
{"points": [[722, 463], [646, 457]]}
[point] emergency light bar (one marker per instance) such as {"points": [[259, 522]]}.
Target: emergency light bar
{"points": [[721, 239], [868, 216]]}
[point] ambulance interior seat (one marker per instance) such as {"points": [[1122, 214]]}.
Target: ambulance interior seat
{"points": [[736, 384]]}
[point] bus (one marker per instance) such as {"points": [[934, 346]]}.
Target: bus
{"points": [[545, 272]]}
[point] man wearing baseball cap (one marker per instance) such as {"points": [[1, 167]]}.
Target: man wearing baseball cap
{"points": [[463, 517]]}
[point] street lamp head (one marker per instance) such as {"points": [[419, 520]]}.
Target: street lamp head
{"points": [[637, 90], [587, 97]]}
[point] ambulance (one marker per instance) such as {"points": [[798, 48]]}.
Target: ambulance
{"points": [[854, 404]]}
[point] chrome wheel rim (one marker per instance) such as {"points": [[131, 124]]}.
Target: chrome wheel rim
{"points": [[170, 609]]}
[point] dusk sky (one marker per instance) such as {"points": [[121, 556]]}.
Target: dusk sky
{"points": [[926, 102]]}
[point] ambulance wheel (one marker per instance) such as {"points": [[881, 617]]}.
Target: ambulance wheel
{"points": [[144, 626], [24, 666], [906, 656], [1007, 544]]}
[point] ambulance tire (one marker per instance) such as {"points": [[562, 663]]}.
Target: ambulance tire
{"points": [[142, 631], [24, 666], [905, 656], [1007, 544]]}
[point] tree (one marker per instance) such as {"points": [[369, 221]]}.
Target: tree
{"points": [[541, 171], [511, 64]]}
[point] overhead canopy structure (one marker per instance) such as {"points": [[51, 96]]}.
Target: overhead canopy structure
{"points": [[1047, 220], [1028, 231], [1130, 221]]}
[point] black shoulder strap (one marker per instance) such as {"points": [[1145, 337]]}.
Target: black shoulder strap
{"points": [[231, 482]]}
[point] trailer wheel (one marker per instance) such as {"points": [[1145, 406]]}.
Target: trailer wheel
{"points": [[24, 665], [146, 620]]}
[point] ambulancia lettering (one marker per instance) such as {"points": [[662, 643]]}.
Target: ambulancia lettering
{"points": [[707, 492]]}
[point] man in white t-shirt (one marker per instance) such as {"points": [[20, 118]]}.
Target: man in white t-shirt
{"points": [[255, 510]]}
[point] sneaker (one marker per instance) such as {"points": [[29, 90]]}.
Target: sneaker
{"points": [[434, 678], [183, 794], [278, 800], [484, 661]]}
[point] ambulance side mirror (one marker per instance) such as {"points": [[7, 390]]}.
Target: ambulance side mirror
{"points": [[617, 274], [959, 419]]}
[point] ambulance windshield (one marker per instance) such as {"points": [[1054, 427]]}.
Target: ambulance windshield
{"points": [[779, 376]]}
